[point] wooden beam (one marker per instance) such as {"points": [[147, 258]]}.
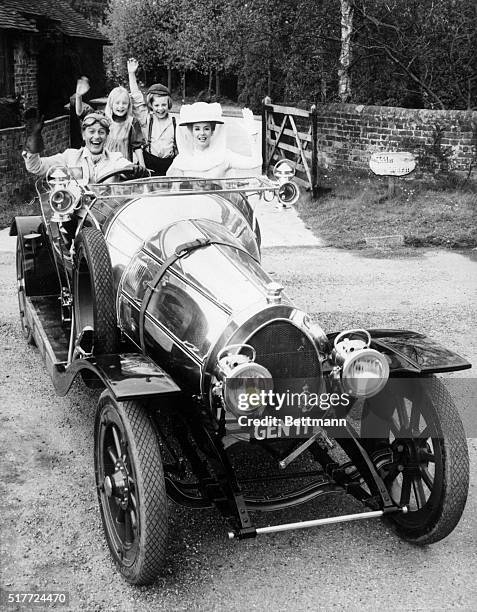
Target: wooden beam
{"points": [[290, 110], [307, 169], [279, 136], [287, 132], [292, 149]]}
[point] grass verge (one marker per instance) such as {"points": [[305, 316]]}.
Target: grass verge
{"points": [[22, 202], [351, 207]]}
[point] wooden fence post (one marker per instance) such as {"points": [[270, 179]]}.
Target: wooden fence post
{"points": [[314, 151], [265, 103]]}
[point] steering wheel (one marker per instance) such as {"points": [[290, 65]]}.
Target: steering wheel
{"points": [[127, 174]]}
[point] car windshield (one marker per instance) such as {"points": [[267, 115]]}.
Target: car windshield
{"points": [[186, 186]]}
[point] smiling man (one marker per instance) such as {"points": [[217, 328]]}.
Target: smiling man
{"points": [[90, 163]]}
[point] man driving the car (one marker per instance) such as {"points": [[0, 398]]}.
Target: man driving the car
{"points": [[90, 163]]}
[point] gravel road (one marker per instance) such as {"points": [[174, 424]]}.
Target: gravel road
{"points": [[51, 532]]}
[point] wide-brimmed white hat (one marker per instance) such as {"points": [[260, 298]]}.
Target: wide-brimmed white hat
{"points": [[200, 111]]}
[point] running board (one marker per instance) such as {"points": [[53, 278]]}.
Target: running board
{"points": [[315, 523], [127, 375]]}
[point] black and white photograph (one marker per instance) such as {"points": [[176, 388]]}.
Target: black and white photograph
{"points": [[238, 296]]}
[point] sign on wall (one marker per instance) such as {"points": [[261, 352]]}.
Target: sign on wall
{"points": [[392, 163]]}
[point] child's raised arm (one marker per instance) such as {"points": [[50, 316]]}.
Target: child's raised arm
{"points": [[133, 65], [139, 106]]}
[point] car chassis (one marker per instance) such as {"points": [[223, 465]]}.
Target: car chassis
{"points": [[165, 427]]}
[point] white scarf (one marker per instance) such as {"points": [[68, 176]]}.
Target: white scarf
{"points": [[191, 159]]}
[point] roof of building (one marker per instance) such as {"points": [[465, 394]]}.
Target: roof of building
{"points": [[11, 20], [20, 13]]}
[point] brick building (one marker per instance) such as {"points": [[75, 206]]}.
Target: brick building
{"points": [[44, 46]]}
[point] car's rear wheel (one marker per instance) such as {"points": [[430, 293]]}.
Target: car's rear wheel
{"points": [[131, 488], [21, 292], [93, 289], [415, 437]]}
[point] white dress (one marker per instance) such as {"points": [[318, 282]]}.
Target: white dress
{"points": [[216, 161]]}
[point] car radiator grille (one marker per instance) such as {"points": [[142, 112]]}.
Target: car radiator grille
{"points": [[289, 355]]}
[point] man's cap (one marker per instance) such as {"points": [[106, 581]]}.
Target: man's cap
{"points": [[158, 90]]}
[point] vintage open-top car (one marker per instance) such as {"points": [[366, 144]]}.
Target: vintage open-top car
{"points": [[153, 290]]}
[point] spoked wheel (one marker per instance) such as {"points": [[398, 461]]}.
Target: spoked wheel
{"points": [[415, 437], [27, 332], [131, 488]]}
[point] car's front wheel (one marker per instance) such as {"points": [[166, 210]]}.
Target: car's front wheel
{"points": [[414, 434], [131, 488]]}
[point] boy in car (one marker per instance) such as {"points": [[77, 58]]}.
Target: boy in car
{"points": [[158, 126]]}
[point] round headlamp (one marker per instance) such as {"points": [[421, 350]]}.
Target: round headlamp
{"points": [[245, 384], [364, 373], [64, 202], [61, 201], [288, 193], [58, 177], [246, 387], [284, 170]]}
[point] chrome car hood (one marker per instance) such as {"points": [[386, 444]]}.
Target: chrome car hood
{"points": [[135, 222]]}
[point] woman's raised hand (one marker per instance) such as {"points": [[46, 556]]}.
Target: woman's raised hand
{"points": [[133, 65], [249, 122]]}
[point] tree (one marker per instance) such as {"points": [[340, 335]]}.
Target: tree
{"points": [[145, 29], [419, 53], [344, 74], [423, 51], [203, 37]]}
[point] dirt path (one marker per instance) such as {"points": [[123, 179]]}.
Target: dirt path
{"points": [[51, 534]]}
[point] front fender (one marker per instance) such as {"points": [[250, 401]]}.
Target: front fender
{"points": [[416, 353], [128, 376], [39, 271], [21, 226], [409, 352]]}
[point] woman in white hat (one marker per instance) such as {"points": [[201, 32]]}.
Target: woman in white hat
{"points": [[201, 143]]}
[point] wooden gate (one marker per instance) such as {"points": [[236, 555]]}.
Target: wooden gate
{"points": [[290, 133]]}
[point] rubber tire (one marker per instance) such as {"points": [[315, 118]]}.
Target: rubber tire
{"points": [[146, 464], [21, 290], [445, 504], [93, 290]]}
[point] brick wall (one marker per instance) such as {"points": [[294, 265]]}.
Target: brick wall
{"points": [[16, 183], [25, 71], [441, 140]]}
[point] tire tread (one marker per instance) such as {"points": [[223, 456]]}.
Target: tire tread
{"points": [[92, 246], [142, 436], [441, 412], [456, 464]]}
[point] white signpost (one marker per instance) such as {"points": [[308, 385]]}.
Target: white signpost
{"points": [[392, 164]]}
